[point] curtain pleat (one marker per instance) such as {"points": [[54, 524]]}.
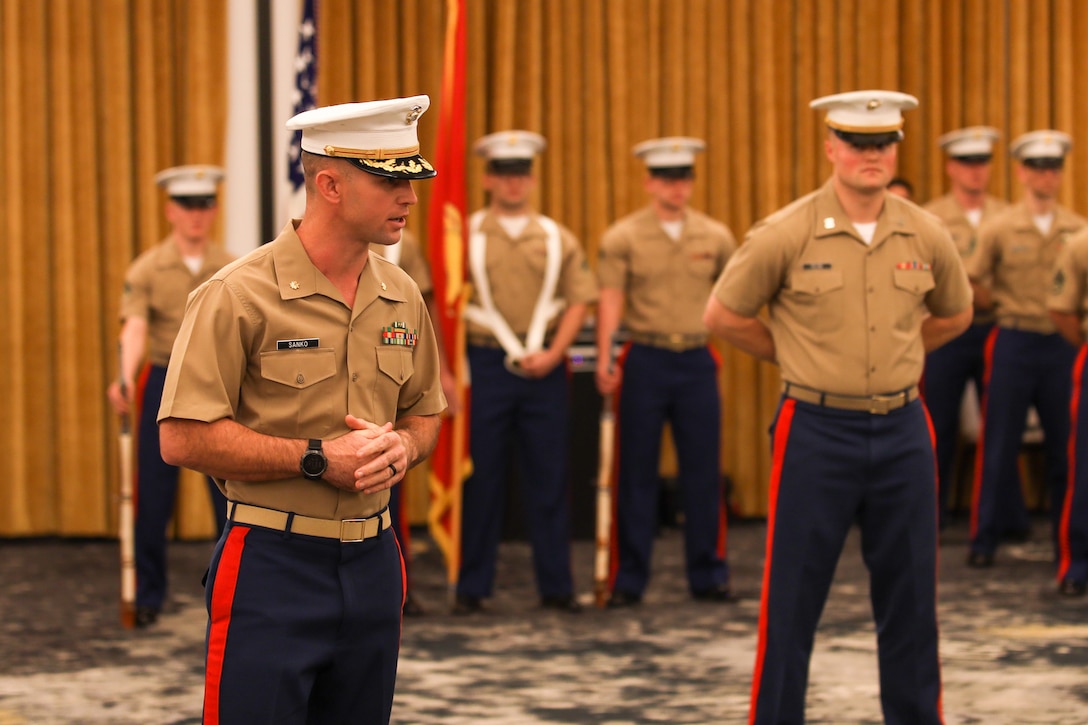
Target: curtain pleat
{"points": [[99, 95]]}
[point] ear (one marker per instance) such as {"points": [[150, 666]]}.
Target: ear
{"points": [[329, 184], [828, 148]]}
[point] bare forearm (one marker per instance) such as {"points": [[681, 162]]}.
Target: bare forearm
{"points": [[226, 449], [936, 331], [1068, 325], [984, 300], [133, 341], [609, 312], [748, 334], [567, 330], [419, 433]]}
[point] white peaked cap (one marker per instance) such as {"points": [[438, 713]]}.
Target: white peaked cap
{"points": [[377, 136], [866, 111], [194, 180]]}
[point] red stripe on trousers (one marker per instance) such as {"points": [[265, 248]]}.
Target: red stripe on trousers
{"points": [[980, 446], [1064, 556], [226, 580], [614, 534], [781, 437]]}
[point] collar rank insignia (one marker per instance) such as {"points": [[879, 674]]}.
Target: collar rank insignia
{"points": [[397, 334]]}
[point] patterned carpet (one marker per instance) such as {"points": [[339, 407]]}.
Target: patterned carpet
{"points": [[1013, 652]]}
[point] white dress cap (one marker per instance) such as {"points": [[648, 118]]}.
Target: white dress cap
{"points": [[866, 111], [971, 141], [670, 152], [377, 136], [513, 145], [1046, 144], [195, 180]]}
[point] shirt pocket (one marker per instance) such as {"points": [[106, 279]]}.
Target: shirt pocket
{"points": [[914, 281], [818, 298], [395, 366], [299, 369]]}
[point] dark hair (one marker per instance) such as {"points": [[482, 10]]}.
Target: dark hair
{"points": [[900, 181]]}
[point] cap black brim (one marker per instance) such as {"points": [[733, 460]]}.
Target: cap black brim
{"points": [[1044, 163], [974, 159], [409, 167], [195, 202], [869, 140], [510, 167], [672, 172]]}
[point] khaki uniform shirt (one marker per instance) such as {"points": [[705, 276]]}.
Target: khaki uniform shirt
{"points": [[666, 283], [157, 284], [411, 261], [1016, 262], [268, 342], [846, 317], [515, 273], [948, 210], [1068, 290]]}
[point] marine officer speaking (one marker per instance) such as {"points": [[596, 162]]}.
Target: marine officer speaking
{"points": [[858, 284], [305, 379]]}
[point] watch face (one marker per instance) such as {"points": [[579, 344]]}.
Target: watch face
{"points": [[313, 464]]}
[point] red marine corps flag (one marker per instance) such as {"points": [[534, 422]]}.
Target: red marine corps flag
{"points": [[450, 464]]}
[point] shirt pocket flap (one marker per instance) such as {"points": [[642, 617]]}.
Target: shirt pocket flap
{"points": [[816, 281], [396, 363], [916, 281], [298, 368]]}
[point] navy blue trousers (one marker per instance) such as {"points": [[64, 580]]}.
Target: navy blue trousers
{"points": [[302, 629], [681, 388], [948, 370], [531, 416], [831, 469], [1073, 529], [399, 515], [1023, 369], [156, 492]]}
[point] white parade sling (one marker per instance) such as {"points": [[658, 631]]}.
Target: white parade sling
{"points": [[547, 304]]}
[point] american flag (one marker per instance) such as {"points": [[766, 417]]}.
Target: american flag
{"points": [[305, 95]]}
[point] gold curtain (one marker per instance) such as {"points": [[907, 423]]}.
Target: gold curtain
{"points": [[97, 95]]}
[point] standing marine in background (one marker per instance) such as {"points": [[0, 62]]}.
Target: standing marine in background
{"points": [[1027, 362], [157, 285], [531, 287], [967, 204], [1067, 302], [858, 284], [656, 269]]}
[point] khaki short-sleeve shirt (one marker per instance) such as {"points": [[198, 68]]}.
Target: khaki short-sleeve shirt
{"points": [[412, 261], [157, 284], [846, 317], [515, 273], [269, 343], [665, 282], [964, 234], [1068, 290], [1016, 262]]}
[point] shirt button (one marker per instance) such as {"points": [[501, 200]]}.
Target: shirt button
{"points": [[354, 377], [872, 369], [300, 379]]}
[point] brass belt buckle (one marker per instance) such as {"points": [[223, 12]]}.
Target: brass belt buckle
{"points": [[880, 405], [363, 529]]}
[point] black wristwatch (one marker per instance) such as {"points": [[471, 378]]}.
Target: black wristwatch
{"points": [[313, 463]]}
